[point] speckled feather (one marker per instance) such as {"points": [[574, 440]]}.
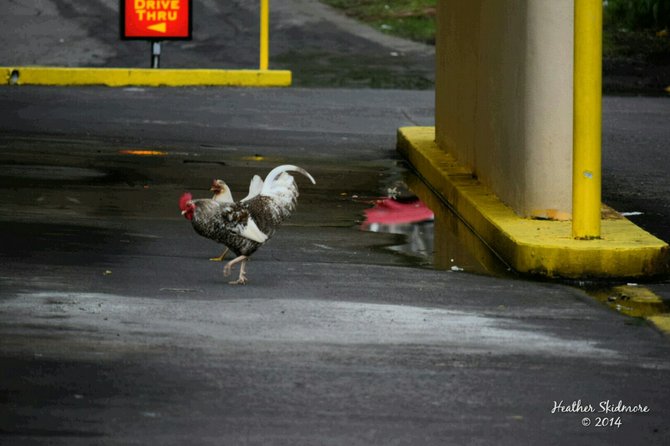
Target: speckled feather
{"points": [[224, 222]]}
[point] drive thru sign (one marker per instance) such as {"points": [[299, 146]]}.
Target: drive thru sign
{"points": [[156, 19]]}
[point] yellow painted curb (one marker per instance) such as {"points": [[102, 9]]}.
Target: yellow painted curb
{"points": [[662, 322], [122, 77], [530, 246]]}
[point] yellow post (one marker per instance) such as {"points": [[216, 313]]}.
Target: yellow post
{"points": [[587, 125], [265, 34]]}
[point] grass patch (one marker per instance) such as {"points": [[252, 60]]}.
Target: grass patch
{"points": [[318, 69], [410, 19], [636, 39]]}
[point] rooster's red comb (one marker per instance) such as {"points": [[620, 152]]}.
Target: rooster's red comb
{"points": [[185, 199]]}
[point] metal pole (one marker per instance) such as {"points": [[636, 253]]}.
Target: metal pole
{"points": [[265, 34], [155, 54], [587, 116]]}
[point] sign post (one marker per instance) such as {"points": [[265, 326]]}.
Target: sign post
{"points": [[155, 54], [156, 20]]}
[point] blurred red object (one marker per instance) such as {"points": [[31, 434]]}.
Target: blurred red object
{"points": [[389, 211]]}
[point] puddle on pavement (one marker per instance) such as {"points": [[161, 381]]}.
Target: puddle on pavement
{"points": [[439, 239], [631, 299], [433, 233]]}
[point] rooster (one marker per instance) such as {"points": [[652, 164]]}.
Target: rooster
{"points": [[223, 194], [246, 225]]}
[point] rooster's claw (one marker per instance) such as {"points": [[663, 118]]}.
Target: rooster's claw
{"points": [[241, 281]]}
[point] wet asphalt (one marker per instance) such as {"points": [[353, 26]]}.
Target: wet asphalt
{"points": [[115, 328]]}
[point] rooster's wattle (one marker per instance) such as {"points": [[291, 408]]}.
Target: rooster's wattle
{"points": [[245, 225]]}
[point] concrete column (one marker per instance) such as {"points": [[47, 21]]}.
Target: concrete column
{"points": [[504, 98]]}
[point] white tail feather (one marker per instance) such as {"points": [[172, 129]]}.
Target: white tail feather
{"points": [[255, 187], [277, 171]]}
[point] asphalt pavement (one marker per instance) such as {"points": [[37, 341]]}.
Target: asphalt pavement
{"points": [[115, 328]]}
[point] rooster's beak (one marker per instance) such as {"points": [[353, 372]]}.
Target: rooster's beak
{"points": [[183, 212]]}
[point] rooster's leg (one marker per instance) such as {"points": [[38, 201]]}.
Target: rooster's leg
{"points": [[242, 280], [226, 269], [221, 257]]}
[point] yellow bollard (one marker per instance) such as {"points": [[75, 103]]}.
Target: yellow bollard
{"points": [[265, 35], [587, 124]]}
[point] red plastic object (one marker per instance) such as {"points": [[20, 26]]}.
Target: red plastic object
{"points": [[389, 211]]}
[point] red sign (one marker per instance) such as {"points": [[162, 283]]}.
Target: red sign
{"points": [[156, 19]]}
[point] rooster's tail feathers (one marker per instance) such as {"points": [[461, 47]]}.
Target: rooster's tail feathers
{"points": [[277, 171], [255, 187]]}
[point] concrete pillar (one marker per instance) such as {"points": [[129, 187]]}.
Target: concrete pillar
{"points": [[504, 98]]}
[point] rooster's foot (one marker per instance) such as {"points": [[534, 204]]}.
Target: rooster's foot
{"points": [[229, 265], [240, 281]]}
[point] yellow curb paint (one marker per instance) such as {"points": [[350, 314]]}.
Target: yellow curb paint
{"points": [[123, 77], [530, 246], [661, 321]]}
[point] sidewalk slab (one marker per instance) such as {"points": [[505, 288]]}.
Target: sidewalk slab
{"points": [[122, 77], [538, 247]]}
